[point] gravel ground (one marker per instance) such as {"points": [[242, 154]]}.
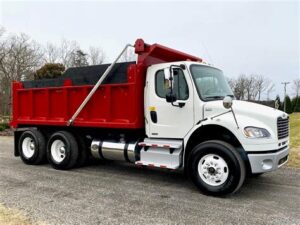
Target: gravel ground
{"points": [[117, 193], [7, 132]]}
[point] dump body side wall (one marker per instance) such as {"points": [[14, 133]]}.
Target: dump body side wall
{"points": [[112, 106]]}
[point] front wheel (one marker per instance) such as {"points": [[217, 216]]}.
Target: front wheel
{"points": [[216, 168]]}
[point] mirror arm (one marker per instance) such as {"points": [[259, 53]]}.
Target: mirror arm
{"points": [[220, 114], [231, 110], [237, 125]]}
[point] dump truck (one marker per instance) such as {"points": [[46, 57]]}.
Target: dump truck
{"points": [[168, 109]]}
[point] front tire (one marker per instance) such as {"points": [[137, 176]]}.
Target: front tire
{"points": [[62, 150], [32, 147], [216, 168]]}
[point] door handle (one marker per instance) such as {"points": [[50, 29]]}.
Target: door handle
{"points": [[153, 116]]}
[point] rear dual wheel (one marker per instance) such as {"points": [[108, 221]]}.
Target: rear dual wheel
{"points": [[62, 150], [65, 151], [32, 147]]}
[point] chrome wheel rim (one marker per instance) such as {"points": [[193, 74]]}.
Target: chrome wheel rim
{"points": [[58, 151], [28, 147], [213, 169]]}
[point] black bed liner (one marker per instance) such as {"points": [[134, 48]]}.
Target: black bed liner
{"points": [[87, 75]]}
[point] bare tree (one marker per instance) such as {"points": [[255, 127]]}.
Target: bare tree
{"points": [[261, 84], [51, 53], [270, 89], [239, 87], [296, 87], [19, 56], [96, 56], [62, 53], [70, 54], [250, 87], [2, 31], [67, 50], [231, 82]]}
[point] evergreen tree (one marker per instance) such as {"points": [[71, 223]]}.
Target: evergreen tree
{"points": [[79, 58], [296, 104], [288, 107]]}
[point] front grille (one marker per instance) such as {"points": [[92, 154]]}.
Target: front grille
{"points": [[282, 128]]}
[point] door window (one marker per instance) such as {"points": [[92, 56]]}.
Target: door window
{"points": [[180, 87]]}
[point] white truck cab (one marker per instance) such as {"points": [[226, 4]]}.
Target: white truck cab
{"points": [[185, 101]]}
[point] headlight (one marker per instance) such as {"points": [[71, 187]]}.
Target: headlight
{"points": [[256, 132]]}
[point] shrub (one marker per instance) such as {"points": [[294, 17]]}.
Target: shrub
{"points": [[49, 70], [1, 128], [4, 126]]}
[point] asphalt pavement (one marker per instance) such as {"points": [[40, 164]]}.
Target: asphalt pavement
{"points": [[120, 193]]}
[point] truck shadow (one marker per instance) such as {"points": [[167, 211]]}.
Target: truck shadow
{"points": [[252, 187]]}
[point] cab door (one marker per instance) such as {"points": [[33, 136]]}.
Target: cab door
{"points": [[164, 119]]}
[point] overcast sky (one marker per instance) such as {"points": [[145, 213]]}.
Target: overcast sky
{"points": [[238, 37]]}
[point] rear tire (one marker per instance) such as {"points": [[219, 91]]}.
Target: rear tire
{"points": [[32, 147], [216, 168], [62, 150]]}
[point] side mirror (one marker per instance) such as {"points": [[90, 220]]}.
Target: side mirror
{"points": [[227, 102], [171, 97], [167, 73]]}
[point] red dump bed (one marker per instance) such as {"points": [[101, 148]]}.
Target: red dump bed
{"points": [[112, 106]]}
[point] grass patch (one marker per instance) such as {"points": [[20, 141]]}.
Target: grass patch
{"points": [[295, 130], [13, 217], [294, 157]]}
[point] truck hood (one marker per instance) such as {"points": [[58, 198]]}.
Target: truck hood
{"points": [[247, 113], [242, 108]]}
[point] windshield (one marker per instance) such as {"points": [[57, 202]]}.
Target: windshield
{"points": [[210, 82]]}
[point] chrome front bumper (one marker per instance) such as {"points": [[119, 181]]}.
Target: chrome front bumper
{"points": [[265, 162]]}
